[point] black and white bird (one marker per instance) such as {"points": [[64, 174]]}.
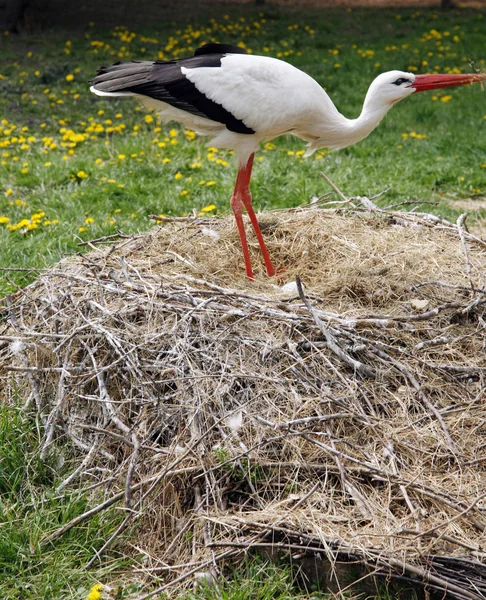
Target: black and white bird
{"points": [[242, 99]]}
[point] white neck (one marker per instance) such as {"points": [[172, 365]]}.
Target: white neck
{"points": [[336, 131], [355, 130]]}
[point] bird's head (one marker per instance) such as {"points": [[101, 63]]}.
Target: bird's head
{"points": [[389, 88], [392, 86]]}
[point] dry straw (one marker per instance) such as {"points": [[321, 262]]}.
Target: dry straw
{"points": [[341, 417]]}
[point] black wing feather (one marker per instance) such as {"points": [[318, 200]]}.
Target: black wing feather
{"points": [[163, 80], [213, 48]]}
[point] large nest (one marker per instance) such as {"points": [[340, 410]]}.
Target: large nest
{"points": [[343, 417]]}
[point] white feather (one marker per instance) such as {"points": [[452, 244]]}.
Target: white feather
{"points": [[100, 93], [16, 347]]}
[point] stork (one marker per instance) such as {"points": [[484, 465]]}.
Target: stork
{"points": [[242, 99]]}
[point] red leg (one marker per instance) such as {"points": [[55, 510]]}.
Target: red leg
{"points": [[251, 213], [237, 207], [243, 185]]}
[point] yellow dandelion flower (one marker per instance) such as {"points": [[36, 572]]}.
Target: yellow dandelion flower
{"points": [[208, 208], [173, 133], [178, 176], [89, 220], [95, 592], [69, 77], [446, 98], [81, 175], [4, 219], [81, 229]]}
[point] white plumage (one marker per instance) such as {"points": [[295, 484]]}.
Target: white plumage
{"points": [[241, 100]]}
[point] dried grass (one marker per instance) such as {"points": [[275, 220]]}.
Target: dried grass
{"points": [[346, 418]]}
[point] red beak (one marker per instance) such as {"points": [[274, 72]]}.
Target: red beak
{"points": [[423, 83]]}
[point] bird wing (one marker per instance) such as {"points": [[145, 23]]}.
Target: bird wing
{"points": [[166, 81], [269, 95]]}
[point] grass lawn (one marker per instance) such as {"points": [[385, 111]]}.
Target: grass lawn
{"points": [[74, 167]]}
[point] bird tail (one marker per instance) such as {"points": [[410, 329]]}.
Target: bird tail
{"points": [[120, 78]]}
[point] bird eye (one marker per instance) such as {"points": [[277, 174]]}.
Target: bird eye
{"points": [[400, 81]]}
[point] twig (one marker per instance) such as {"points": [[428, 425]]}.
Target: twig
{"points": [[461, 223], [418, 388], [188, 574], [335, 188], [456, 517], [356, 365], [55, 412], [105, 238], [109, 502]]}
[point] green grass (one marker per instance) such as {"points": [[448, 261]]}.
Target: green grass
{"points": [[258, 580], [62, 148], [74, 166], [30, 509]]}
